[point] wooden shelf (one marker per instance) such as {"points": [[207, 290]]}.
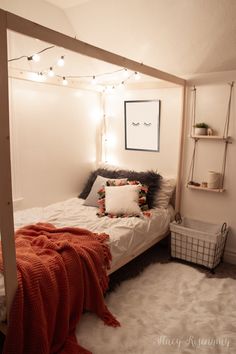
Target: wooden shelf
{"points": [[218, 190], [222, 137], [210, 137]]}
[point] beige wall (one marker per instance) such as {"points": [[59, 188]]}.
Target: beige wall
{"points": [[212, 100], [165, 161], [53, 132]]}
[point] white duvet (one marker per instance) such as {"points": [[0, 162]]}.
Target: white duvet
{"points": [[127, 235]]}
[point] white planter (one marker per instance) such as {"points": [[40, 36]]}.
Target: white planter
{"points": [[213, 180], [200, 131]]}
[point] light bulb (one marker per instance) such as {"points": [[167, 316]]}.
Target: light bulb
{"points": [[51, 72], [64, 82], [121, 85], [136, 75], [126, 73], [36, 58], [61, 61], [94, 81], [40, 77]]}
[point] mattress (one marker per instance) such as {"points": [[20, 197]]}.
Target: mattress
{"points": [[127, 235]]}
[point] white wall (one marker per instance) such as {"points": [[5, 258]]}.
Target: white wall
{"points": [[212, 100], [53, 132], [165, 161]]}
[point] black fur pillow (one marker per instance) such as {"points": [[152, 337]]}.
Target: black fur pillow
{"points": [[150, 178]]}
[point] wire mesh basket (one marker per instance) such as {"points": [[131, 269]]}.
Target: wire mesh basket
{"points": [[198, 241]]}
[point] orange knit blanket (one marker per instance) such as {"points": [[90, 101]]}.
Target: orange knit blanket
{"points": [[61, 272]]}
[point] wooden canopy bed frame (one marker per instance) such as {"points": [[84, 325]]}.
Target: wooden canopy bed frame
{"points": [[9, 21]]}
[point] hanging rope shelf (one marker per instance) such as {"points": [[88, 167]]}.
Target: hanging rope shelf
{"points": [[218, 186]]}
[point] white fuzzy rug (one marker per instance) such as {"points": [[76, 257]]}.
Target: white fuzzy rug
{"points": [[169, 308]]}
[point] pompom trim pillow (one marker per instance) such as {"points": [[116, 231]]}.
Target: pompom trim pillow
{"points": [[122, 200], [123, 196]]}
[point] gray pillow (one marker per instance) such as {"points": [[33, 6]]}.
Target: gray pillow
{"points": [[92, 198]]}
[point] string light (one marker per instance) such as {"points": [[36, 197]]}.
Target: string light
{"points": [[136, 75], [40, 77], [64, 81], [127, 75], [51, 72], [61, 61], [121, 85], [94, 81], [36, 57], [31, 56]]}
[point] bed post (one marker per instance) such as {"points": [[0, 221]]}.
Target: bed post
{"points": [[6, 205], [181, 152]]}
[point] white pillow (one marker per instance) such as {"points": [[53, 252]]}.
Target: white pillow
{"points": [[164, 194], [122, 200], [92, 198]]}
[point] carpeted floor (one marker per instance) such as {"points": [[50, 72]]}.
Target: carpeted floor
{"points": [[166, 307]]}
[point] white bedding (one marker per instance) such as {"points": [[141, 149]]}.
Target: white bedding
{"points": [[127, 235]]}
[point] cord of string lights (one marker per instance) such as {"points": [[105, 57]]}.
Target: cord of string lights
{"points": [[35, 57]]}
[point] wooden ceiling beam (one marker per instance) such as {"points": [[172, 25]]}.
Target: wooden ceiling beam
{"points": [[29, 28]]}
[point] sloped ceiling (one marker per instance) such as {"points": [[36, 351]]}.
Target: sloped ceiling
{"points": [[65, 4], [181, 37]]}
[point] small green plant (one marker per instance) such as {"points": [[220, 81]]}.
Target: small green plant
{"points": [[201, 125]]}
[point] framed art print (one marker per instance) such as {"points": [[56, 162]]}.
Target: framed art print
{"points": [[142, 125]]}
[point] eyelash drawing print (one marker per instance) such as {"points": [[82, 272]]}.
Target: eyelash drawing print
{"points": [[137, 124]]}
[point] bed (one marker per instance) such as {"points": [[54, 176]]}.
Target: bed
{"points": [[20, 25], [128, 236], [42, 292]]}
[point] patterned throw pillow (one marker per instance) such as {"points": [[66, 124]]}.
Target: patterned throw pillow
{"points": [[101, 195], [142, 200], [122, 201]]}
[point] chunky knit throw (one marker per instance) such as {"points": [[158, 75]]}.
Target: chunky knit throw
{"points": [[61, 272]]}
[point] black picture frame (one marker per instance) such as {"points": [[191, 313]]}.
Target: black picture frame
{"points": [[142, 125]]}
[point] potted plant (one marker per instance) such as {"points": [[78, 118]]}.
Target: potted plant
{"points": [[200, 129]]}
